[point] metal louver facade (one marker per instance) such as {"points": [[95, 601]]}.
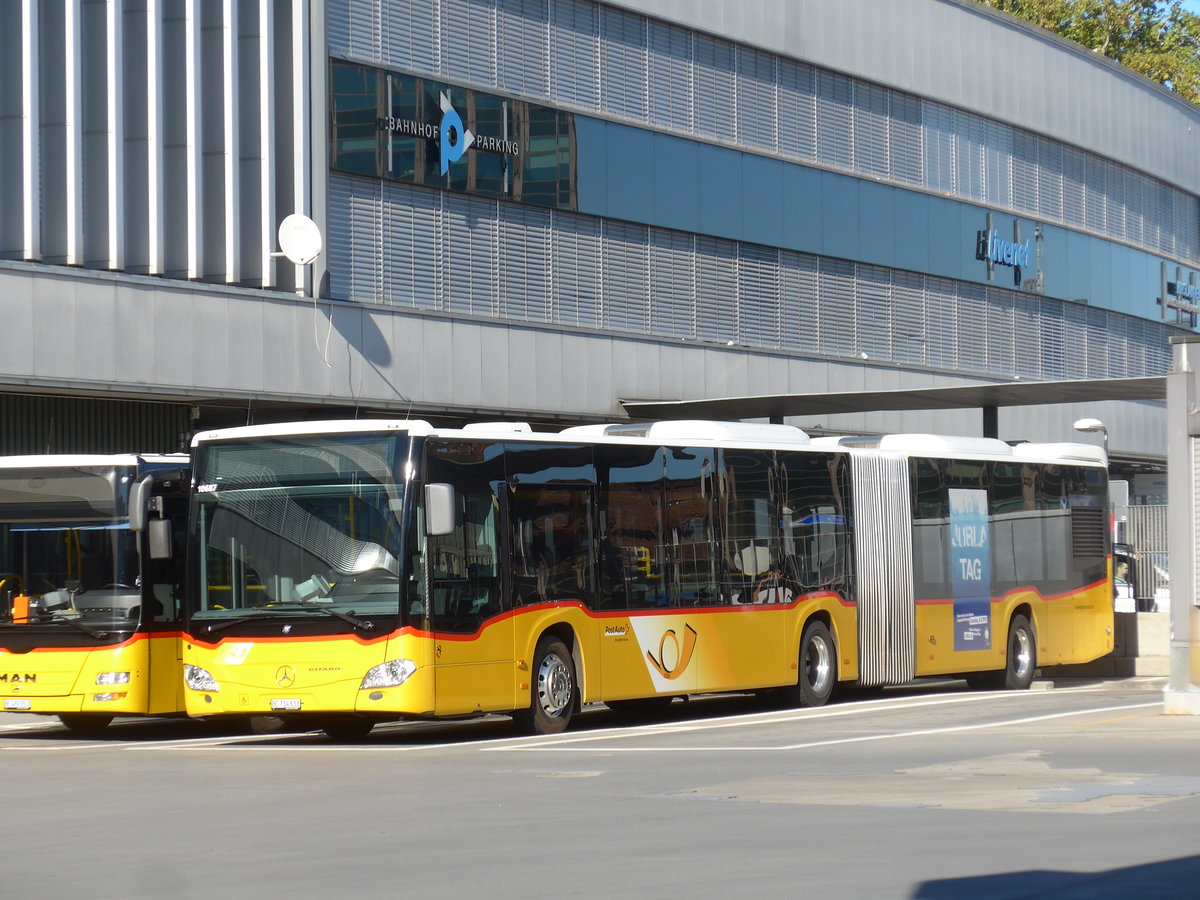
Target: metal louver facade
{"points": [[37, 425], [159, 137]]}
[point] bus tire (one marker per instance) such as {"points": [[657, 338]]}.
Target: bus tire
{"points": [[1020, 661], [553, 693], [347, 728], [817, 670], [268, 725], [85, 724], [1020, 656]]}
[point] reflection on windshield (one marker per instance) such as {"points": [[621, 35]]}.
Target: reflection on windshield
{"points": [[69, 573], [313, 547]]}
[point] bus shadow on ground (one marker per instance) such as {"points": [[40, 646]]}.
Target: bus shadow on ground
{"points": [[415, 732], [1169, 878], [599, 718]]}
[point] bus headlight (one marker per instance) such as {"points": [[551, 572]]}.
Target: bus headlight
{"points": [[198, 679], [112, 678], [389, 674]]}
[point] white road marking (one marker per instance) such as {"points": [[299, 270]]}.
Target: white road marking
{"points": [[850, 740]]}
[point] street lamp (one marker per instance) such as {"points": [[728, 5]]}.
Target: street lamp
{"points": [[1094, 425]]}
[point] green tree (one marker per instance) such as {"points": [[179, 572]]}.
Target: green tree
{"points": [[1156, 38]]}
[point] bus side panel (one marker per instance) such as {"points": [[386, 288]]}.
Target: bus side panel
{"points": [[165, 675], [700, 651], [935, 642], [474, 673], [1092, 611], [578, 630]]}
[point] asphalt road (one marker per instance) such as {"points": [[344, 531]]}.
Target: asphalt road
{"points": [[1071, 790]]}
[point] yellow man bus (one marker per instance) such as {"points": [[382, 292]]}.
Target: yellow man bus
{"points": [[91, 586], [346, 573]]}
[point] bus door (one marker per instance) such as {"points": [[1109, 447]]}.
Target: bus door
{"points": [[469, 611], [656, 568], [162, 611]]}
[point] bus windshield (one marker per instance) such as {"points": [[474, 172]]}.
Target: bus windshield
{"points": [[67, 556], [314, 534]]}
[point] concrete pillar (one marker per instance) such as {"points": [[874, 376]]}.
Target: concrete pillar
{"points": [[1182, 695]]}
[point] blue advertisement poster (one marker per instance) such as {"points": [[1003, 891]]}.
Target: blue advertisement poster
{"points": [[970, 568]]}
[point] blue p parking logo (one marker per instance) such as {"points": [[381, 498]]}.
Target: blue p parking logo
{"points": [[455, 139]]}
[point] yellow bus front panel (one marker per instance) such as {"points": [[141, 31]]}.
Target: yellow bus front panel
{"points": [[104, 680], [334, 674]]}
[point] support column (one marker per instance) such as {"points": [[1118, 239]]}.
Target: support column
{"points": [[991, 422], [1182, 695]]}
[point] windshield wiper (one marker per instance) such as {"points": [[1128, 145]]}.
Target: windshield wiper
{"points": [[86, 629], [337, 614], [277, 612]]}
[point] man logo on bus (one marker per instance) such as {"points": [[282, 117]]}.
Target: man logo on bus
{"points": [[673, 660], [455, 139]]}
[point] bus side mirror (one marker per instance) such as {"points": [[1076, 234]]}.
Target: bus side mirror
{"points": [[158, 534], [439, 509], [139, 499]]}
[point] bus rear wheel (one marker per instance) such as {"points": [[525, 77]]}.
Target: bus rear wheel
{"points": [[1020, 661], [554, 692], [1021, 656], [817, 674], [85, 724]]}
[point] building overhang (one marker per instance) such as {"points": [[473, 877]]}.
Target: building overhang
{"points": [[981, 396]]}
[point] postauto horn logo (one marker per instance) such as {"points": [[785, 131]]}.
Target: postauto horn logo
{"points": [[455, 139]]}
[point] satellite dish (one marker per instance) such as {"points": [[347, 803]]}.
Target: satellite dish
{"points": [[300, 239]]}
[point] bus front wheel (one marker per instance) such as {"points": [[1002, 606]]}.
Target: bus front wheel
{"points": [[553, 695], [347, 728], [85, 724]]}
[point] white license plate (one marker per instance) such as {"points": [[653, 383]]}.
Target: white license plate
{"points": [[18, 704], [285, 704]]}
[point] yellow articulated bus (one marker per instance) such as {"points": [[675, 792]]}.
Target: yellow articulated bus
{"points": [[348, 573], [91, 587]]}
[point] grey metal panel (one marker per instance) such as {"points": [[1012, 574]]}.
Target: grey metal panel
{"points": [[53, 329], [246, 340], [94, 353], [210, 361], [18, 299], [402, 377], [289, 344], [217, 341], [135, 333], [176, 339]]}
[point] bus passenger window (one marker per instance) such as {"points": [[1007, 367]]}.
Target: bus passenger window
{"points": [[631, 549]]}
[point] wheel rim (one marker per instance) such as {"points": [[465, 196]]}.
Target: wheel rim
{"points": [[1022, 653], [554, 685], [817, 665]]}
